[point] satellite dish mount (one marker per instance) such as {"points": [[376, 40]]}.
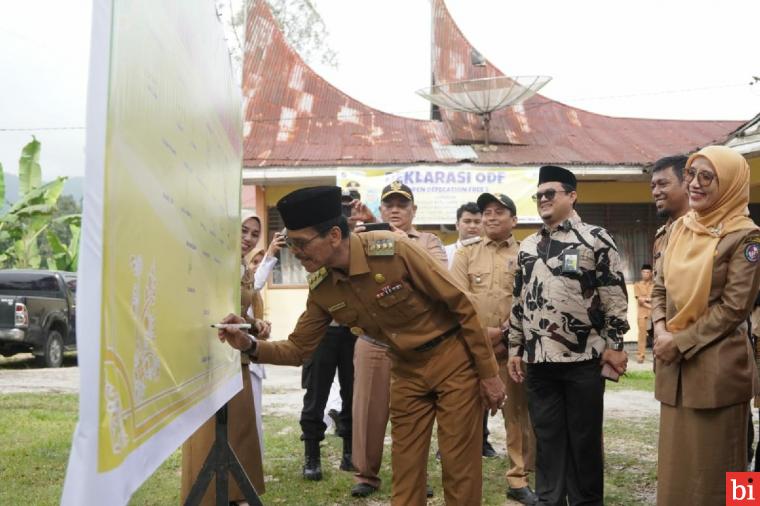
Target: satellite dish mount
{"points": [[484, 96]]}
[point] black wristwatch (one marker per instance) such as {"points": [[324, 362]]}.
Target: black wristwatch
{"points": [[617, 346]]}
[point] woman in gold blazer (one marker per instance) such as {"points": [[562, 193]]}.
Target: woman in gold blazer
{"points": [[241, 415], [705, 370]]}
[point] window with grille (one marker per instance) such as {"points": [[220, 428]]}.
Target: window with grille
{"points": [[632, 226], [288, 271]]}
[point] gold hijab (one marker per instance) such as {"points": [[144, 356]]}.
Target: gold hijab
{"points": [[688, 262]]}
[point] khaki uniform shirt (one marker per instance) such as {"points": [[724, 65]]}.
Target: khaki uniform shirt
{"points": [[570, 300], [658, 249], [643, 290], [717, 368], [486, 270], [393, 291], [430, 243]]}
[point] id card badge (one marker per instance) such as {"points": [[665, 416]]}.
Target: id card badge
{"points": [[570, 262]]}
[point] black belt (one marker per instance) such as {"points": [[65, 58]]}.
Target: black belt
{"points": [[437, 340]]}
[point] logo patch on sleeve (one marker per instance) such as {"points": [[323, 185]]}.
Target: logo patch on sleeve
{"points": [[752, 252]]}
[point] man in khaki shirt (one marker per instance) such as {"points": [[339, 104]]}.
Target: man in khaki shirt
{"points": [[671, 198], [397, 208], [642, 290], [469, 226], [387, 287], [372, 365], [486, 271]]}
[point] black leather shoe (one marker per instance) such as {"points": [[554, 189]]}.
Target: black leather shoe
{"points": [[363, 490], [428, 490], [488, 450], [522, 495]]}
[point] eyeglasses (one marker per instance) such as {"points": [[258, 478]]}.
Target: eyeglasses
{"points": [[704, 178], [548, 195], [299, 244]]}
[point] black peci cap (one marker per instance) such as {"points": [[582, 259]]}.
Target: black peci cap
{"points": [[310, 206], [487, 198], [549, 173], [646, 267]]}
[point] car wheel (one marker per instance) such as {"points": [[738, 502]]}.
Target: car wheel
{"points": [[52, 353]]}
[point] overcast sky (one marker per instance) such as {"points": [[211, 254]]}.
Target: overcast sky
{"points": [[690, 59]]}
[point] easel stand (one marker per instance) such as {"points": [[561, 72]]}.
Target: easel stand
{"points": [[221, 460]]}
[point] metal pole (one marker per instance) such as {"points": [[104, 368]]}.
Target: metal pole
{"points": [[220, 461]]}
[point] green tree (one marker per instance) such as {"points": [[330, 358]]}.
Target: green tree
{"points": [[299, 20], [24, 223]]}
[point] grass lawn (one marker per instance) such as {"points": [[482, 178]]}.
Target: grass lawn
{"points": [[633, 380], [36, 434]]}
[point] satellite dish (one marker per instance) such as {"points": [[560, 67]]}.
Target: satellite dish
{"points": [[484, 96]]}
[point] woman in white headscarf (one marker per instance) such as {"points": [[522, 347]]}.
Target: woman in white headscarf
{"points": [[244, 419], [255, 268]]}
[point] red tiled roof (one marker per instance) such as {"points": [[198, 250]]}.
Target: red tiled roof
{"points": [[293, 117]]}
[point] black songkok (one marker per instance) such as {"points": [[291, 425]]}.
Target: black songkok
{"points": [[310, 206], [549, 173]]}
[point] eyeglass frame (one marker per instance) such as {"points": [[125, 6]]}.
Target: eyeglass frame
{"points": [[711, 176], [300, 247], [536, 197]]}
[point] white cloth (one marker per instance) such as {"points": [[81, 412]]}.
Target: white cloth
{"points": [[256, 388], [333, 402], [262, 272], [451, 249], [258, 373]]}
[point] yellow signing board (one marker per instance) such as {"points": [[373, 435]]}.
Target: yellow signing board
{"points": [[171, 230]]}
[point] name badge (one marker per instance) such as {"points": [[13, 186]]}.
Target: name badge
{"points": [[570, 262]]}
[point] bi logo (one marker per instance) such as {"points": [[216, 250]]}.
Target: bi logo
{"points": [[742, 489]]}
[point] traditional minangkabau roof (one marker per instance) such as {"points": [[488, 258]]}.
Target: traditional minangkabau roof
{"points": [[542, 130], [294, 117]]}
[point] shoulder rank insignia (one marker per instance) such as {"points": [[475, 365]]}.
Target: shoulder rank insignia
{"points": [[381, 248], [472, 240], [661, 231], [315, 278]]}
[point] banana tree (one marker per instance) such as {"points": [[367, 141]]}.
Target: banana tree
{"points": [[23, 224], [65, 257]]}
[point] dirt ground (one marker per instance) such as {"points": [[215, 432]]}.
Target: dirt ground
{"points": [[282, 388]]}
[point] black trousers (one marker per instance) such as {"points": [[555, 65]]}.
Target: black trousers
{"points": [[565, 401], [335, 351]]}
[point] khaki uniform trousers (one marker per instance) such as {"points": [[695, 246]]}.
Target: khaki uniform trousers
{"points": [[521, 442], [370, 410], [643, 324], [438, 385]]}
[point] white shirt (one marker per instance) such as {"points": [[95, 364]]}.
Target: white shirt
{"points": [[451, 249], [263, 272]]}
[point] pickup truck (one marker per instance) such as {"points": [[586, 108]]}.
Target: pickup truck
{"points": [[38, 314]]}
